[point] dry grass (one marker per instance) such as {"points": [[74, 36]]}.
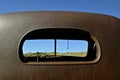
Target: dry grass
{"points": [[41, 54]]}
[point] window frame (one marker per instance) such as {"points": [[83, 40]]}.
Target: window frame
{"points": [[61, 33]]}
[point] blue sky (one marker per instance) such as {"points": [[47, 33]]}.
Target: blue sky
{"points": [[110, 7], [47, 45]]}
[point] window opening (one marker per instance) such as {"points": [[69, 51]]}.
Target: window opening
{"points": [[57, 45]]}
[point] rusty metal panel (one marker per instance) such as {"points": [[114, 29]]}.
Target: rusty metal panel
{"points": [[14, 26]]}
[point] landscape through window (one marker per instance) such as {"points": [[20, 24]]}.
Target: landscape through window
{"points": [[57, 45], [54, 49]]}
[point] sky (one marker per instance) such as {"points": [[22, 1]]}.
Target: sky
{"points": [[62, 46], [109, 7]]}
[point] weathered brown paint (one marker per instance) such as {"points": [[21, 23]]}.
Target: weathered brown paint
{"points": [[14, 26]]}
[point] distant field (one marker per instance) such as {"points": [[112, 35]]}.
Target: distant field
{"points": [[77, 54], [43, 54]]}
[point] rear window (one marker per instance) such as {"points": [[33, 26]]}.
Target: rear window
{"points": [[57, 45]]}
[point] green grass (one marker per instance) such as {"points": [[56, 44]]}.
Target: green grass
{"points": [[42, 54]]}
